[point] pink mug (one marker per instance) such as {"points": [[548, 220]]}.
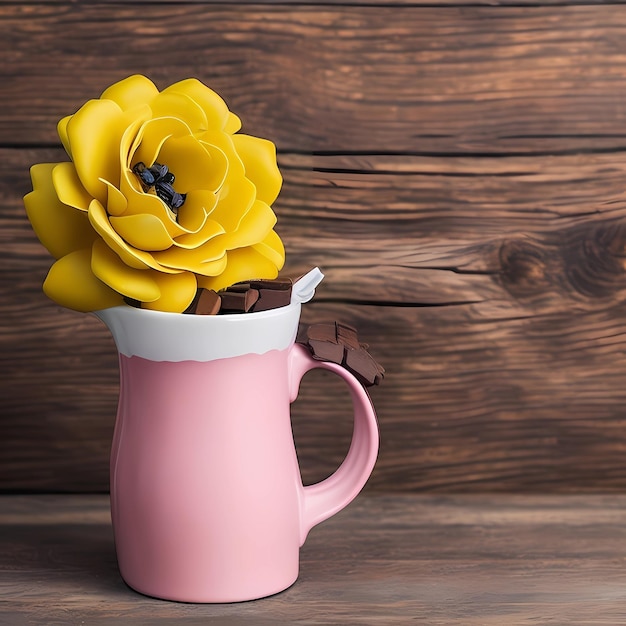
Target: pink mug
{"points": [[207, 501]]}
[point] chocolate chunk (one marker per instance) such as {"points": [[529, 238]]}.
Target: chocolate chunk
{"points": [[323, 332], [238, 301], [238, 287], [273, 294], [347, 335], [244, 297], [269, 299], [327, 351], [277, 284], [363, 366], [206, 302], [191, 309], [339, 344]]}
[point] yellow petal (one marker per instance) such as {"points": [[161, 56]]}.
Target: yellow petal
{"points": [[68, 187], [195, 165], [62, 131], [141, 203], [213, 268], [253, 228], [214, 107], [177, 292], [116, 201], [138, 259], [272, 248], [94, 133], [198, 204], [60, 228], [194, 259], [72, 284], [208, 268], [242, 264], [153, 134], [131, 91], [224, 142], [109, 268], [259, 159], [145, 232], [233, 124], [209, 230], [235, 199], [129, 139], [181, 106]]}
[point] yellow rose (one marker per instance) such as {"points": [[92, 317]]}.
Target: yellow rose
{"points": [[114, 235]]}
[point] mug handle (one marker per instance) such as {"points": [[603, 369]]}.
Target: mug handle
{"points": [[324, 499]]}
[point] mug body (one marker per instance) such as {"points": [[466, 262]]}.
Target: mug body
{"points": [[205, 485]]}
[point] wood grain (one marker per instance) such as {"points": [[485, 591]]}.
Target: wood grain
{"points": [[385, 560], [384, 4], [365, 79], [457, 170], [491, 289]]}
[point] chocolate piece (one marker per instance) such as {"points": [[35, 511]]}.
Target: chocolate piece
{"points": [[327, 350], [323, 332], [323, 340], [347, 335], [363, 366], [273, 294], [208, 303], [191, 309], [244, 297], [269, 299], [339, 344], [238, 301], [276, 284], [205, 302], [239, 287]]}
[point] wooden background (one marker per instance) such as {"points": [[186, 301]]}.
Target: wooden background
{"points": [[455, 168]]}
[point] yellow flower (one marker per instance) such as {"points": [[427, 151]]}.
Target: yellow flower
{"points": [[115, 235]]}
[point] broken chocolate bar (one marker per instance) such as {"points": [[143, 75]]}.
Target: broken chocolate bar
{"points": [[339, 344], [256, 295], [244, 297]]}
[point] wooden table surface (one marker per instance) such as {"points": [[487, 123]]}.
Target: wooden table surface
{"points": [[387, 559]]}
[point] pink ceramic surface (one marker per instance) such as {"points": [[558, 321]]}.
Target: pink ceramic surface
{"points": [[206, 496]]}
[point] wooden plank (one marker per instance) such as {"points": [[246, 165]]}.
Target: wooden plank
{"points": [[385, 4], [421, 230], [491, 289], [393, 79], [469, 402], [387, 560]]}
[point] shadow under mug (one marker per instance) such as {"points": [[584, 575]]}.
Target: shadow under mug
{"points": [[207, 500]]}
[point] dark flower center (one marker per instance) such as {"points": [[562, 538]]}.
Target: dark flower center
{"points": [[159, 178]]}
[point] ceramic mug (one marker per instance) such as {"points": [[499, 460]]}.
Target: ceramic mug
{"points": [[207, 501]]}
